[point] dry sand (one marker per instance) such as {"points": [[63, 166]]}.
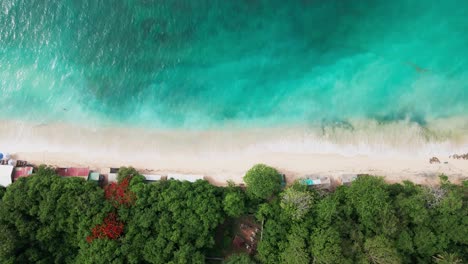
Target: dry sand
{"points": [[227, 154]]}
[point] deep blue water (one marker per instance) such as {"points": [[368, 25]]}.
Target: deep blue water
{"points": [[203, 64]]}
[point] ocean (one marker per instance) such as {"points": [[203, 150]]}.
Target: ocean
{"points": [[200, 65]]}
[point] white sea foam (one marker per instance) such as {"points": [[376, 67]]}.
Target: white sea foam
{"points": [[358, 137]]}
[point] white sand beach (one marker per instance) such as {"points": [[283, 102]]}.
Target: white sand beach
{"points": [[227, 154]]}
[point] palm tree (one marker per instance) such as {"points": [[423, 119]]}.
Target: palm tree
{"points": [[447, 258]]}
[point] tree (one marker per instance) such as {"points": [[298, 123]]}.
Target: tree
{"points": [[241, 258], [296, 203], [405, 242], [369, 198], [296, 250], [46, 218], [2, 191], [447, 258], [325, 246], [125, 172], [275, 232], [101, 251], [171, 221], [118, 193], [379, 250], [262, 181], [234, 204], [112, 228], [9, 243]]}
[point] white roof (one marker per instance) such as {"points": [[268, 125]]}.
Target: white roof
{"points": [[185, 177], [345, 178], [6, 172], [317, 181], [152, 177], [112, 177]]}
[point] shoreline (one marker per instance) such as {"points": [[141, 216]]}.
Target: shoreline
{"points": [[223, 155], [218, 170]]}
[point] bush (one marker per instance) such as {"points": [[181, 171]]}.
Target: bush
{"points": [[262, 181]]}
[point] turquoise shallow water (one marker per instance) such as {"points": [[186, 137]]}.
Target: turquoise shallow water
{"points": [[202, 64]]}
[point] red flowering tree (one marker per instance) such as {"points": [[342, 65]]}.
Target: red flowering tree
{"points": [[112, 228], [119, 194]]}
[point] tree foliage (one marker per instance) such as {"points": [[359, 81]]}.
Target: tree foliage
{"points": [[296, 203], [296, 250], [2, 191], [241, 258], [234, 203], [380, 250], [127, 172], [369, 222], [47, 219], [447, 258], [262, 181], [172, 221]]}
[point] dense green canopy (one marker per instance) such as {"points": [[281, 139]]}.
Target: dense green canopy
{"points": [[171, 221], [370, 222], [47, 219]]}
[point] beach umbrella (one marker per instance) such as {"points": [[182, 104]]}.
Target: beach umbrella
{"points": [[1, 156]]}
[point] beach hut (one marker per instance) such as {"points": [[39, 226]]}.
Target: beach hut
{"points": [[96, 177], [6, 175], [185, 177], [318, 182], [111, 177], [114, 170], [20, 172], [152, 177], [73, 172], [347, 179]]}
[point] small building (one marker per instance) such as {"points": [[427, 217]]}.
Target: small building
{"points": [[153, 177], [111, 177], [96, 177], [347, 179], [6, 175], [318, 182], [73, 172], [114, 170], [185, 177], [20, 172]]}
